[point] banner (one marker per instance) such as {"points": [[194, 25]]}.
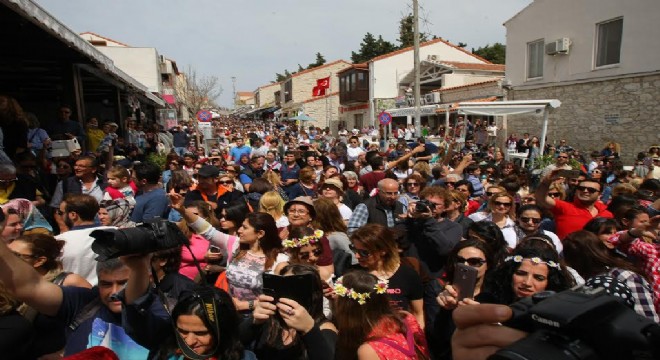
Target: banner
{"points": [[323, 83]]}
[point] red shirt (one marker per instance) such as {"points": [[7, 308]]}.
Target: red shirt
{"points": [[369, 181], [571, 217]]}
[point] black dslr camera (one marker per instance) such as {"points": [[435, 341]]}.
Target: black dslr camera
{"points": [[423, 206], [582, 323], [150, 236]]}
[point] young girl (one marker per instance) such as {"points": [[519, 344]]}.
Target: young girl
{"points": [[120, 186]]}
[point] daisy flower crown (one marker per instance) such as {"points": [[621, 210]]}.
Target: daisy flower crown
{"points": [[361, 298], [536, 260], [306, 240]]}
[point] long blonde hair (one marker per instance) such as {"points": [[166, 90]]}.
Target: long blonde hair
{"points": [[272, 203]]}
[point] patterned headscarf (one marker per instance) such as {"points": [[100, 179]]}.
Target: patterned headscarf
{"points": [[119, 211], [30, 216]]}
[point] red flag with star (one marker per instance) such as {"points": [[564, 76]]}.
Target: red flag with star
{"points": [[323, 83]]}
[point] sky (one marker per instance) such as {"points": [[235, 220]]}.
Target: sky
{"points": [[252, 40]]}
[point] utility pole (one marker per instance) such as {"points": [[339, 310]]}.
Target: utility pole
{"points": [[416, 94], [233, 86]]}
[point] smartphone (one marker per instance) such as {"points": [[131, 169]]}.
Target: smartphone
{"points": [[569, 174], [294, 287], [465, 279]]}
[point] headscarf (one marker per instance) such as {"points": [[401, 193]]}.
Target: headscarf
{"points": [[119, 211], [30, 216]]}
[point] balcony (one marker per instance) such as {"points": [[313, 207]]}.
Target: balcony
{"points": [[354, 86]]}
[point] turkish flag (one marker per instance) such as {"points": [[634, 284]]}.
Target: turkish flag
{"points": [[323, 83], [318, 91]]}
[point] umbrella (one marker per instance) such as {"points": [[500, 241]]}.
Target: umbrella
{"points": [[302, 117]]}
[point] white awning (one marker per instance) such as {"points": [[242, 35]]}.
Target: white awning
{"points": [[423, 110], [498, 108]]}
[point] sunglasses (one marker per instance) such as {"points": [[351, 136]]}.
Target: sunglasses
{"points": [[450, 183], [412, 184], [473, 261], [498, 203], [562, 157], [590, 190], [305, 255], [528, 219], [226, 182], [363, 253], [554, 194]]}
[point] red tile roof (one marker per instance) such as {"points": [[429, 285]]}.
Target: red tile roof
{"points": [[466, 85], [435, 41], [106, 38], [455, 105], [473, 66], [245, 93], [362, 66]]}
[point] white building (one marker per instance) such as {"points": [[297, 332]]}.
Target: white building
{"points": [[601, 58]]}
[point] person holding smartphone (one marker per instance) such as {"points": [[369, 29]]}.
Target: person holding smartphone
{"points": [[471, 252]]}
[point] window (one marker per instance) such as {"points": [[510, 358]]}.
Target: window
{"points": [[358, 120], [288, 89], [362, 81], [535, 59], [608, 49]]}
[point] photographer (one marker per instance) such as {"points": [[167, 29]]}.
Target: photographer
{"points": [[432, 236]]}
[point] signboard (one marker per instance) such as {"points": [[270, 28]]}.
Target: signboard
{"points": [[423, 110], [204, 116], [205, 129], [384, 118]]}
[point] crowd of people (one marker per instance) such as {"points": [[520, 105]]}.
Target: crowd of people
{"points": [[380, 234]]}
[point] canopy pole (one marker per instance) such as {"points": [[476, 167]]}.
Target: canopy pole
{"points": [[544, 131], [446, 121]]}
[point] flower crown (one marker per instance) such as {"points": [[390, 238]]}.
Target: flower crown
{"points": [[341, 290], [536, 260], [306, 240]]}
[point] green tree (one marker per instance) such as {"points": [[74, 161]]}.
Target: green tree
{"points": [[320, 60], [407, 32], [495, 53], [461, 44], [372, 47]]}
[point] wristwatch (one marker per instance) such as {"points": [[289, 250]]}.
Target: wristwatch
{"points": [[250, 305]]}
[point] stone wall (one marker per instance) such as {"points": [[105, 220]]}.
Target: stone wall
{"points": [[471, 91], [625, 110]]}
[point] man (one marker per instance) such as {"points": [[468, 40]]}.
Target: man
{"points": [[151, 201], [432, 236], [65, 128], [92, 316], [11, 186], [237, 151], [259, 148], [561, 163], [180, 140], [571, 217], [253, 171], [381, 209], [523, 144], [210, 190], [78, 212], [84, 181], [564, 147], [289, 172]]}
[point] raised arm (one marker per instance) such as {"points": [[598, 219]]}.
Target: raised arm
{"points": [[21, 280], [405, 157], [541, 194]]}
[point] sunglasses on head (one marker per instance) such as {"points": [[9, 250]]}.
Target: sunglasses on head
{"points": [[588, 189], [489, 193], [305, 255], [473, 261], [528, 219], [361, 252]]}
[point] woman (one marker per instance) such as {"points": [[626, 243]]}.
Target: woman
{"points": [[556, 191], [329, 221], [172, 162], [532, 267], [534, 151], [198, 244], [297, 332], [328, 172], [587, 254], [353, 182], [375, 248], [456, 208], [115, 213], [306, 186], [354, 149], [257, 250], [274, 178], [272, 203], [227, 182], [369, 328], [412, 186], [528, 223], [470, 252], [500, 211], [42, 252], [604, 228], [611, 149], [333, 189], [26, 217]]}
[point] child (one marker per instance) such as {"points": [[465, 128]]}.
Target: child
{"points": [[110, 136], [119, 185]]}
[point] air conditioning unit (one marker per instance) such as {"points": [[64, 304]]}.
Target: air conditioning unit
{"points": [[432, 57], [559, 46], [432, 98]]}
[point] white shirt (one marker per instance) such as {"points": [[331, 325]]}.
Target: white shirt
{"points": [[77, 254], [508, 230], [345, 211]]}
